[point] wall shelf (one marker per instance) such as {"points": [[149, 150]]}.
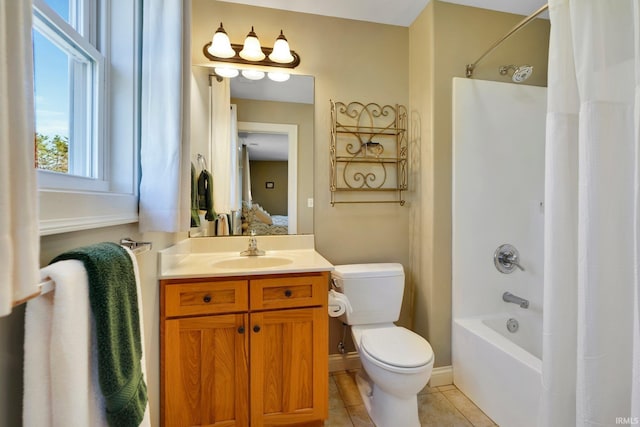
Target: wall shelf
{"points": [[369, 153]]}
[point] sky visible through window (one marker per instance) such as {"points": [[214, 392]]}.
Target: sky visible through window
{"points": [[51, 81]]}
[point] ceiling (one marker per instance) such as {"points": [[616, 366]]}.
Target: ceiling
{"points": [[266, 146], [393, 12]]}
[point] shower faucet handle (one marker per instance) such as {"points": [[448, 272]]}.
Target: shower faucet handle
{"points": [[506, 258], [511, 258]]}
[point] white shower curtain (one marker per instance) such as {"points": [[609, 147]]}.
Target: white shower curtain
{"points": [[590, 331], [224, 135], [246, 175]]}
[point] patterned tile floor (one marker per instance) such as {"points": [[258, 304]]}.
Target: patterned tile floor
{"points": [[443, 406]]}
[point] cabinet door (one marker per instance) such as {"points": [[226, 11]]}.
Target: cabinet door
{"points": [[205, 371], [289, 366]]}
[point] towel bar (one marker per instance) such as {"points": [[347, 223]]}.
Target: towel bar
{"points": [[49, 285]]}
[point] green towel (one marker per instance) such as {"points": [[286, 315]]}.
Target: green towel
{"points": [[114, 303], [195, 218], [205, 195]]}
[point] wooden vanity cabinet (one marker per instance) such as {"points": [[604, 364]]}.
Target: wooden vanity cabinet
{"points": [[244, 351]]}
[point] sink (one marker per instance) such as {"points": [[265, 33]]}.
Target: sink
{"points": [[252, 262]]}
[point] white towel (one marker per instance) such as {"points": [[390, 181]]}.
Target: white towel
{"points": [[146, 421], [222, 225], [60, 370], [61, 385]]}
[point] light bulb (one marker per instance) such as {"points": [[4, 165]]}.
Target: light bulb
{"points": [[281, 52], [278, 76], [226, 72], [220, 44], [253, 74], [252, 51]]}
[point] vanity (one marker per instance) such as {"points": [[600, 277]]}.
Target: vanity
{"points": [[244, 339]]}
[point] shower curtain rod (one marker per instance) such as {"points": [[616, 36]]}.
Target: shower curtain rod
{"points": [[525, 21]]}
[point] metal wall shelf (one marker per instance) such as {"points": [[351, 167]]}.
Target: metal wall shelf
{"points": [[369, 152]]}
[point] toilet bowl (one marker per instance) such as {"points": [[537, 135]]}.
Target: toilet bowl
{"points": [[397, 362], [398, 365]]}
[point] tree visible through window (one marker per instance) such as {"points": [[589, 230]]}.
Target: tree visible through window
{"points": [[52, 153]]}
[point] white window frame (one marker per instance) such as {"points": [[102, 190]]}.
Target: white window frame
{"points": [[87, 94], [110, 196]]}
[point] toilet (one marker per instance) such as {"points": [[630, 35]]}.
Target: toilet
{"points": [[397, 361]]}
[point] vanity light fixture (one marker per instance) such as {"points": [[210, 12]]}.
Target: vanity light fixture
{"points": [[251, 50], [220, 44], [281, 52], [220, 49]]}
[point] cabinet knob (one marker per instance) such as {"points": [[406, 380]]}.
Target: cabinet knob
{"points": [[287, 293], [256, 328], [241, 330], [207, 298]]}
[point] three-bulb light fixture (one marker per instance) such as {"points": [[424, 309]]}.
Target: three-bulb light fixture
{"points": [[220, 49]]}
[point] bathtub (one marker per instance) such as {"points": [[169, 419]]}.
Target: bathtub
{"points": [[499, 370]]}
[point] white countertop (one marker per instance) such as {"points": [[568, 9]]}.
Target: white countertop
{"points": [[205, 257]]}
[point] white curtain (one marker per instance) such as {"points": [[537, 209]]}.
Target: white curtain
{"points": [[164, 152], [590, 332], [246, 175], [19, 235], [224, 160]]}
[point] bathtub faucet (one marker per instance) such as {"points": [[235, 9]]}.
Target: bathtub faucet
{"points": [[509, 297]]}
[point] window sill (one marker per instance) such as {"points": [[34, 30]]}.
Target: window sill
{"points": [[65, 211]]}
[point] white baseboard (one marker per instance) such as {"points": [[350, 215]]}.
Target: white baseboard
{"points": [[442, 375], [344, 362]]}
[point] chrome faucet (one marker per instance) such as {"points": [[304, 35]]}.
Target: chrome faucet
{"points": [[506, 258], [509, 297], [252, 250]]}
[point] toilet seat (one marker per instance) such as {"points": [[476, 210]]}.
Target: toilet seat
{"points": [[396, 349]]}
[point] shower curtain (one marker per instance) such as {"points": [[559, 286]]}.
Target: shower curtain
{"points": [[224, 134], [591, 342]]}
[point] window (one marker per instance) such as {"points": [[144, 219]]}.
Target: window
{"points": [[69, 95], [86, 136]]}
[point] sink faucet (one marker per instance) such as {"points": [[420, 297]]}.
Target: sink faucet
{"points": [[252, 250], [509, 297]]}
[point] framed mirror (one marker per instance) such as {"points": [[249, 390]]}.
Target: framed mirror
{"points": [[272, 137]]}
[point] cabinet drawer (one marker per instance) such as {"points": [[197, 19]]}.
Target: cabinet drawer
{"points": [[286, 292], [206, 298]]}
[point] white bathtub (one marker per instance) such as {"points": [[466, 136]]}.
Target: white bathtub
{"points": [[499, 370]]}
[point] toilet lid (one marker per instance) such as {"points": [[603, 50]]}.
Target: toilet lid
{"points": [[397, 346]]}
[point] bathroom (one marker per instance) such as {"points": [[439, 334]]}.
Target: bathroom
{"points": [[350, 60]]}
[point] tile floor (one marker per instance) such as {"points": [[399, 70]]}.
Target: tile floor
{"points": [[443, 406]]}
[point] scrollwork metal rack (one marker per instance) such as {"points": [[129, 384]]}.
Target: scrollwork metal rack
{"points": [[369, 153]]}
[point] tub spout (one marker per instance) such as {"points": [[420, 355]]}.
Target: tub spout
{"points": [[509, 297]]}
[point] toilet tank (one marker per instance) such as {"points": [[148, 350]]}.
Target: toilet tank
{"points": [[374, 291]]}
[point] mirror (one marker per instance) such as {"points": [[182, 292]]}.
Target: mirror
{"points": [[274, 127]]}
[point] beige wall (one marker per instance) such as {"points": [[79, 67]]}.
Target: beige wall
{"points": [[421, 75], [301, 115], [443, 40], [273, 200]]}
